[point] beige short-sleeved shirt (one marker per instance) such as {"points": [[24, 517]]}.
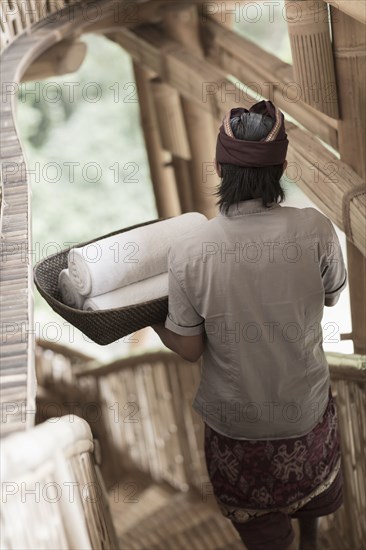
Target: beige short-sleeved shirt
{"points": [[256, 281]]}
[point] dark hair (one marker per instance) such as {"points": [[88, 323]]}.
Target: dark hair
{"points": [[239, 183]]}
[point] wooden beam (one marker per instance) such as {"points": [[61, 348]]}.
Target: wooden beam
{"points": [[266, 75], [183, 27], [170, 119], [133, 13], [353, 8], [130, 15], [184, 185], [195, 79], [320, 173], [349, 52], [62, 58], [162, 175], [312, 57]]}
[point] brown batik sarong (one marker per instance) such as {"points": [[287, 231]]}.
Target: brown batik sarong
{"points": [[253, 478]]}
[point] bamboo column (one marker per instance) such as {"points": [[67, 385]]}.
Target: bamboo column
{"points": [[349, 52], [226, 20], [312, 54], [162, 175], [174, 137], [182, 26]]}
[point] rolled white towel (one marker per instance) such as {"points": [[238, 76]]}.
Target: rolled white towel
{"points": [[70, 296], [135, 293], [127, 257]]}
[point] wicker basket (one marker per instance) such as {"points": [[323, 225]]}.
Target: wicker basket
{"points": [[105, 326]]}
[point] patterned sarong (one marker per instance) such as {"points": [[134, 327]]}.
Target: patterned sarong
{"points": [[251, 478]]}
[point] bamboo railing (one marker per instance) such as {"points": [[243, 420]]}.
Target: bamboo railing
{"points": [[145, 422], [146, 419], [21, 48], [346, 529], [53, 496]]}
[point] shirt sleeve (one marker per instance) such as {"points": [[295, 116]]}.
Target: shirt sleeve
{"points": [[182, 318], [334, 273]]}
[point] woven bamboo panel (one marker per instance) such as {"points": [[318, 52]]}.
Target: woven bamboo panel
{"points": [[148, 419], [347, 528]]}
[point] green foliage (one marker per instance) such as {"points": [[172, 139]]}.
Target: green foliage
{"points": [[99, 129]]}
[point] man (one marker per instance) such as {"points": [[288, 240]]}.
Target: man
{"points": [[247, 290]]}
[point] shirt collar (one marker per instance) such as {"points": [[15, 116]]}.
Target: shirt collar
{"points": [[251, 206]]}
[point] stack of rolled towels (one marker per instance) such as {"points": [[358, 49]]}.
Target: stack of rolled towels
{"points": [[125, 269]]}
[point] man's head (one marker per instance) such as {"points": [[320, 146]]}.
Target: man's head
{"points": [[251, 155]]}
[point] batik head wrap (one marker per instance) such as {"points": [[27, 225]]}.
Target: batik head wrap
{"points": [[269, 151]]}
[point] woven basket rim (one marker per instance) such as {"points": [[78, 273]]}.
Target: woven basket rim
{"points": [[99, 312]]}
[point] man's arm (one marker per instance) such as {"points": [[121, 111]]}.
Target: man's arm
{"points": [[184, 328], [334, 274], [189, 348]]}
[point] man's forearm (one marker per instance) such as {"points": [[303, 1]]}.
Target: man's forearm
{"points": [[170, 339]]}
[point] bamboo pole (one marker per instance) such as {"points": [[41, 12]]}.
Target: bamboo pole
{"points": [[170, 119], [312, 54], [225, 19], [349, 51], [182, 25], [183, 178], [174, 137], [162, 176]]}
